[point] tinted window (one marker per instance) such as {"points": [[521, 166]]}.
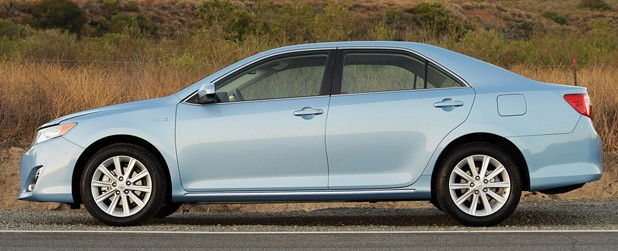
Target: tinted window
{"points": [[374, 72], [287, 77], [438, 79]]}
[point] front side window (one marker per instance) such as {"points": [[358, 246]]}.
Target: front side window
{"points": [[284, 77]]}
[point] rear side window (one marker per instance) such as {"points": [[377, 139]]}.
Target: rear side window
{"points": [[378, 71], [436, 78]]}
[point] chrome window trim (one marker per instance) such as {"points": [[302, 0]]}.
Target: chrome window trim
{"points": [[416, 53]]}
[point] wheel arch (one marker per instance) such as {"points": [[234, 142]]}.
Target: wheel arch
{"points": [[508, 146], [97, 145]]}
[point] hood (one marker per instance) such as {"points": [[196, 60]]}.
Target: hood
{"points": [[135, 105]]}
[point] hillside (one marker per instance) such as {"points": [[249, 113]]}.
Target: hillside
{"points": [[516, 19]]}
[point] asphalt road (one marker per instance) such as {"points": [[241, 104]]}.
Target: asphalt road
{"points": [[539, 225], [534, 215], [482, 240]]}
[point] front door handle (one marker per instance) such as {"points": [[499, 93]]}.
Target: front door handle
{"points": [[448, 102], [306, 111]]}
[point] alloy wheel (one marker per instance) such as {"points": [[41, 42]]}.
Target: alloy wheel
{"points": [[479, 185], [121, 186]]}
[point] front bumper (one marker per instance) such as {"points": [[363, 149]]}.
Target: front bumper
{"points": [[56, 159]]}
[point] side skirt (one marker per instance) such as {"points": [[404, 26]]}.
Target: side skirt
{"points": [[304, 196]]}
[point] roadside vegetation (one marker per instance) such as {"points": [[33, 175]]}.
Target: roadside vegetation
{"points": [[62, 56]]}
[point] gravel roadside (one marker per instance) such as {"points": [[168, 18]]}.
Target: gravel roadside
{"points": [[530, 215]]}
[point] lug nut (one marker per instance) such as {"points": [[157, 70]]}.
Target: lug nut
{"points": [[117, 192], [477, 178], [114, 184], [486, 181], [476, 192], [120, 178], [471, 184], [484, 189], [126, 191], [129, 183]]}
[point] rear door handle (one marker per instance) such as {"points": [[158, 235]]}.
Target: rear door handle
{"points": [[308, 111], [448, 102]]}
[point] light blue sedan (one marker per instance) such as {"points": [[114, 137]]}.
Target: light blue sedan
{"points": [[345, 121]]}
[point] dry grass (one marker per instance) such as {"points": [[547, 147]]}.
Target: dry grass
{"points": [[32, 94]]}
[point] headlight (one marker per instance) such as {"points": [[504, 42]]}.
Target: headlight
{"points": [[52, 132]]}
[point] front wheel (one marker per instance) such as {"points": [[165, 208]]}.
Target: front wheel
{"points": [[122, 185], [479, 185]]}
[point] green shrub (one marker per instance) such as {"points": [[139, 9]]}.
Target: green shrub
{"points": [[11, 30], [51, 45], [527, 27], [287, 22], [236, 21], [429, 20], [595, 5], [131, 6], [185, 60], [557, 18], [62, 14], [129, 23], [601, 41], [434, 18], [381, 32], [110, 7], [394, 23], [487, 45], [335, 23], [96, 27]]}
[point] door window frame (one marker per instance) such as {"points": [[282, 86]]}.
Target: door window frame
{"points": [[325, 86], [340, 61]]}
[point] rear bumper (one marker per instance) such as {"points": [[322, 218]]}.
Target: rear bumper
{"points": [[56, 160], [562, 160]]}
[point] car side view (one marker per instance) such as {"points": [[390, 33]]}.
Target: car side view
{"points": [[341, 121]]}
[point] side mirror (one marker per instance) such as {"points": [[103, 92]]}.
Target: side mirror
{"points": [[206, 94]]}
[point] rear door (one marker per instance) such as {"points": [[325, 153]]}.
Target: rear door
{"points": [[388, 112]]}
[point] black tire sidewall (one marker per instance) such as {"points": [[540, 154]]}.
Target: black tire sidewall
{"points": [[458, 154], [168, 209], [157, 196]]}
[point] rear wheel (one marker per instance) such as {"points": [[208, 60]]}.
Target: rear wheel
{"points": [[479, 185], [123, 185]]}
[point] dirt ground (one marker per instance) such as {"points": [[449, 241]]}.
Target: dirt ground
{"points": [[9, 180]]}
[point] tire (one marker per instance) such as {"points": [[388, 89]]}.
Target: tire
{"points": [[167, 209], [435, 203], [128, 181], [472, 199]]}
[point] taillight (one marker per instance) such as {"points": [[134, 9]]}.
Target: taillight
{"points": [[581, 103]]}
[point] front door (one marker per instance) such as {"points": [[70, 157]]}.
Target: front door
{"points": [[266, 131]]}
